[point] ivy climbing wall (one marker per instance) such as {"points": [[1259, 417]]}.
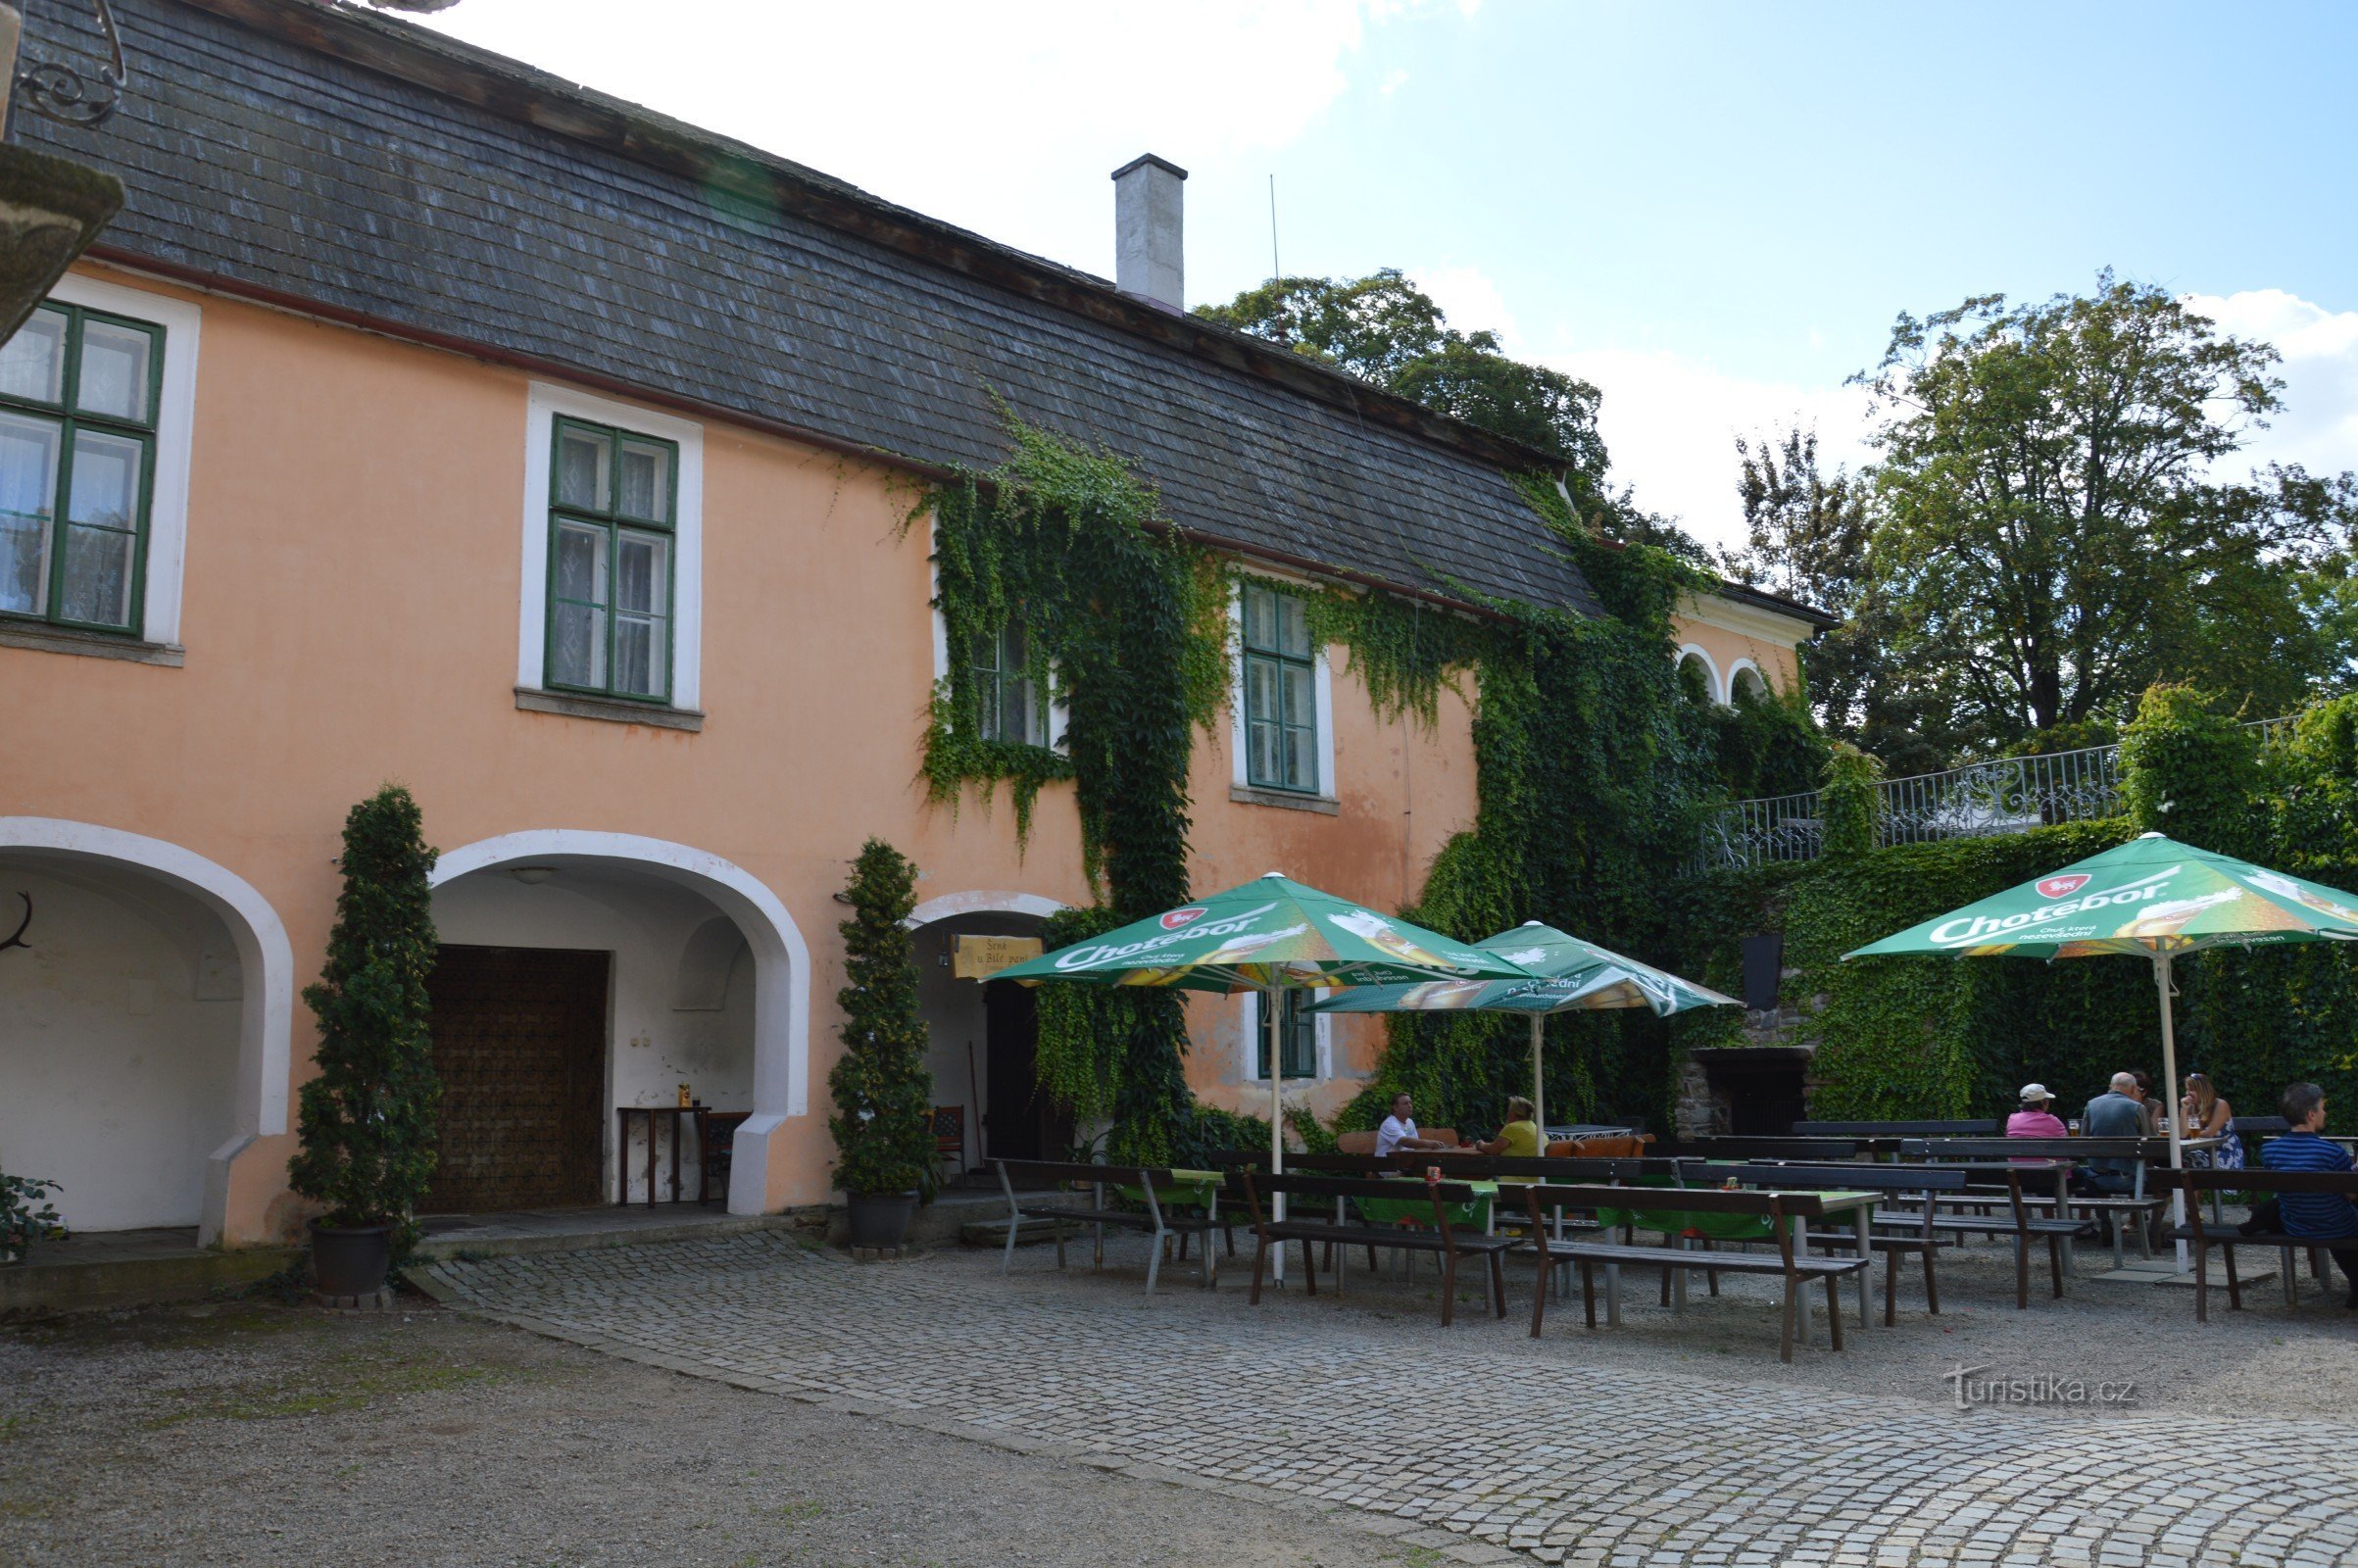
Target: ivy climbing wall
{"points": [[1593, 770]]}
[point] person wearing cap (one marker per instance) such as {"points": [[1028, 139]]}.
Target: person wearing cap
{"points": [[2036, 1119]]}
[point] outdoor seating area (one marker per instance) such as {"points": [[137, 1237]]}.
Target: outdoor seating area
{"points": [[1804, 1211]]}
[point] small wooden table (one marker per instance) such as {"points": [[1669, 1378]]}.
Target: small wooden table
{"points": [[622, 1115]]}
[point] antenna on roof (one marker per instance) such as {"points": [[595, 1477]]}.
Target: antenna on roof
{"points": [[1275, 272]]}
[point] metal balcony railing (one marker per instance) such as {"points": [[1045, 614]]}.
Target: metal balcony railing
{"points": [[2004, 794]]}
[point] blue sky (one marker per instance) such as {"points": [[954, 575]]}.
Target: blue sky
{"points": [[1714, 211]]}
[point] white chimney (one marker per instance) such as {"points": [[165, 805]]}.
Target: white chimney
{"points": [[1147, 231]]}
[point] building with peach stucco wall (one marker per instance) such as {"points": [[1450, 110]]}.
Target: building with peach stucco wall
{"points": [[468, 430]]}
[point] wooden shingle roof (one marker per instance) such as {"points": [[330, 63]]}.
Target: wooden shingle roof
{"points": [[374, 171]]}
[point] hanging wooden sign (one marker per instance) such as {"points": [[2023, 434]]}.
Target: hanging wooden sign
{"points": [[978, 957]]}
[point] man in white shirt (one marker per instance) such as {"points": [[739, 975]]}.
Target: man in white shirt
{"points": [[1399, 1129]]}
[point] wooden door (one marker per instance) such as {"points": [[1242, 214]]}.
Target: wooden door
{"points": [[520, 1043], [1021, 1120]]}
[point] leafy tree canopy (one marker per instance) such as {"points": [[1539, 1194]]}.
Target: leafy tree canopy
{"points": [[2047, 532], [1385, 329]]}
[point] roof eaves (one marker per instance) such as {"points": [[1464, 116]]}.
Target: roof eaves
{"points": [[1745, 593]]}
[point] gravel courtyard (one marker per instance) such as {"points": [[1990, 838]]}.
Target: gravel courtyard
{"points": [[1182, 1429]]}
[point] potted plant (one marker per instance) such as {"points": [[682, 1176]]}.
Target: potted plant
{"points": [[367, 1119], [884, 1153]]}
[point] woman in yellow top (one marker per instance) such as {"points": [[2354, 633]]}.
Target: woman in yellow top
{"points": [[1519, 1139]]}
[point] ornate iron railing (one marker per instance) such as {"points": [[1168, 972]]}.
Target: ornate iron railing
{"points": [[2004, 794], [1780, 827]]}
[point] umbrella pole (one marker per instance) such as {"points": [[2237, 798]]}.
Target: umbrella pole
{"points": [[1539, 1079], [1272, 1008], [2177, 1156]]}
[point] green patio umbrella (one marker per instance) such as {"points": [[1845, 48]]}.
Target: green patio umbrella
{"points": [[1269, 935], [1578, 976], [2152, 897]]}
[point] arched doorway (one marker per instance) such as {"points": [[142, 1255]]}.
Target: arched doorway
{"points": [[982, 1034], [146, 1010], [586, 971]]}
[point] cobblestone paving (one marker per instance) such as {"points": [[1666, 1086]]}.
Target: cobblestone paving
{"points": [[1403, 1420]]}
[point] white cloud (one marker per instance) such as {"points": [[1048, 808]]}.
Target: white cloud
{"points": [[991, 115], [1670, 421], [1470, 300], [2318, 426], [1670, 424]]}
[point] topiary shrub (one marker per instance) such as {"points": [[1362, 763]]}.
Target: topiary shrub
{"points": [[367, 1120], [1849, 801], [883, 1093], [2190, 771]]}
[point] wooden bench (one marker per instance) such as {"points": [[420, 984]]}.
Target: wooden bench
{"points": [[1444, 1240], [1059, 1209], [1974, 1127], [1894, 1237], [2194, 1183], [1792, 1263], [1363, 1142], [1818, 1150], [2003, 1183], [2139, 1206]]}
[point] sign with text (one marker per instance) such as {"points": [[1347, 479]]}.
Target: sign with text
{"points": [[980, 958]]}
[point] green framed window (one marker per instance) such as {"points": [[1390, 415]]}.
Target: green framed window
{"points": [[613, 500], [1281, 692], [1296, 1037], [78, 390], [1008, 704]]}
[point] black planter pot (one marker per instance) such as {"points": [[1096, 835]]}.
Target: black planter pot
{"points": [[879, 1219], [351, 1260]]}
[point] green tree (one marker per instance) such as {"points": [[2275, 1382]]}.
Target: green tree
{"points": [[883, 1093], [1385, 329], [367, 1120], [1809, 535], [2049, 539]]}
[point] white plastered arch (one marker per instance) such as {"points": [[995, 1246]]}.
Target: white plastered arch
{"points": [[1714, 688], [1741, 669], [265, 958], [983, 900], [781, 967]]}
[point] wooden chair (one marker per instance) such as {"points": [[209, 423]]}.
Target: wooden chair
{"points": [[950, 1135], [716, 1140]]}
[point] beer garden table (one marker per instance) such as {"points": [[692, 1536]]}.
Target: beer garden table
{"points": [[1861, 1207]]}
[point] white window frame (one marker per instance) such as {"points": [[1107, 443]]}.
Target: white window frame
{"points": [[1735, 673], [545, 404], [1058, 714], [175, 438], [1322, 684], [1256, 1032]]}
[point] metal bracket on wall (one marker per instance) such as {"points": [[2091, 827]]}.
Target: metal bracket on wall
{"points": [[61, 91]]}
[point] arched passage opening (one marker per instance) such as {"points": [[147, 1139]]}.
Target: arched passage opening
{"points": [[146, 1010], [1747, 682], [1698, 676], [585, 972], [982, 1034]]}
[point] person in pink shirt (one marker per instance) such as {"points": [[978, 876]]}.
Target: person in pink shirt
{"points": [[2035, 1120]]}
